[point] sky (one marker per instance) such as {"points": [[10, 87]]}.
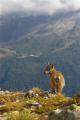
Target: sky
{"points": [[36, 7]]}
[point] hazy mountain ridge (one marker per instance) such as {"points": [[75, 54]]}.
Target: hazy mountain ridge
{"points": [[57, 41]]}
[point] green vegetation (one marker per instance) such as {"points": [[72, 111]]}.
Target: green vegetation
{"points": [[25, 115], [18, 107]]}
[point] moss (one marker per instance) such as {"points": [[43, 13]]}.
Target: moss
{"points": [[25, 115], [16, 102], [50, 104], [15, 105], [4, 108]]}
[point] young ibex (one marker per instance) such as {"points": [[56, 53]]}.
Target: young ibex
{"points": [[57, 82]]}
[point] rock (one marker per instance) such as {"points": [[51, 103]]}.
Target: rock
{"points": [[35, 106], [7, 92], [5, 114], [34, 92], [18, 100], [74, 106], [3, 118], [57, 111], [65, 115], [51, 95], [37, 92], [77, 114], [29, 94], [2, 92]]}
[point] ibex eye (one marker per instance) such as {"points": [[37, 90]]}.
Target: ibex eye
{"points": [[47, 68]]}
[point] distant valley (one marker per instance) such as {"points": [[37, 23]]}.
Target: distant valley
{"points": [[28, 43]]}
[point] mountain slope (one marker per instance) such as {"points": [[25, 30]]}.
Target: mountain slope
{"points": [[16, 25], [57, 41]]}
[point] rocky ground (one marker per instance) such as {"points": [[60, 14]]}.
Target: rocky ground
{"points": [[37, 104]]}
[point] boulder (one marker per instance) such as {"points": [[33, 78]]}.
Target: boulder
{"points": [[65, 115], [34, 92]]}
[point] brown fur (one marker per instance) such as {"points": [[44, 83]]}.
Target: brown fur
{"points": [[57, 82]]}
